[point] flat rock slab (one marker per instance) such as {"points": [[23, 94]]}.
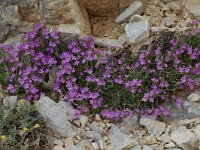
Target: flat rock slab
{"points": [[138, 29], [55, 114], [133, 9]]}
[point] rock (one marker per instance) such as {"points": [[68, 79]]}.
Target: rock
{"points": [[165, 138], [58, 142], [95, 146], [10, 14], [187, 122], [133, 9], [138, 29], [154, 127], [83, 120], [123, 4], [66, 12], [131, 120], [55, 116], [192, 6], [84, 145], [102, 144], [10, 101], [121, 141], [170, 145], [92, 135], [97, 117], [193, 109], [194, 97], [168, 21], [58, 148], [158, 29], [145, 147], [184, 139], [101, 8], [174, 5], [197, 131], [96, 127], [107, 42], [149, 140]]}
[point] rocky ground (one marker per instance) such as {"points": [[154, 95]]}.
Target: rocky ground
{"points": [[181, 131]]}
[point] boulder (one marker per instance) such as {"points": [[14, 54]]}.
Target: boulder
{"points": [[121, 141], [138, 29], [154, 127], [56, 115], [192, 6], [184, 138], [133, 9]]}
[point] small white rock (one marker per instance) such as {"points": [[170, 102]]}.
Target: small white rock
{"points": [[194, 97], [170, 145], [97, 117]]}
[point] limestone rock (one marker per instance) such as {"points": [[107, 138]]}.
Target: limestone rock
{"points": [[138, 29], [133, 9], [55, 116], [65, 12], [121, 141], [184, 139], [153, 127], [194, 97], [107, 42], [192, 6]]}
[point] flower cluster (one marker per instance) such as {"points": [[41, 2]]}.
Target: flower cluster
{"points": [[27, 64], [114, 84]]}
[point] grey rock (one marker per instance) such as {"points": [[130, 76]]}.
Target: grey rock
{"points": [[168, 21], [92, 135], [193, 109], [194, 97], [10, 101], [107, 42], [121, 141], [55, 116], [154, 127], [184, 139], [138, 29], [145, 147], [96, 127], [133, 9], [130, 120]]}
